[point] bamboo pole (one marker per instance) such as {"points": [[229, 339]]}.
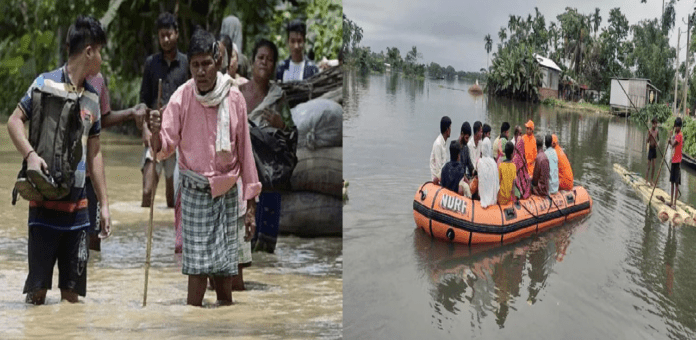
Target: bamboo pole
{"points": [[152, 205], [664, 154]]}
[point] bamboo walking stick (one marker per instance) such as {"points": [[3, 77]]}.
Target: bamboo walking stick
{"points": [[664, 155], [152, 204]]}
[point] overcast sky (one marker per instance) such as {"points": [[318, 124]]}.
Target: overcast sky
{"points": [[451, 32]]}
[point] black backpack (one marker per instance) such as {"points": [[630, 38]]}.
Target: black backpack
{"points": [[55, 133]]}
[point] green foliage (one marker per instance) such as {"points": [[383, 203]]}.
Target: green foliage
{"points": [[552, 102], [352, 35], [326, 24], [435, 70], [324, 27], [652, 55], [127, 92], [515, 73], [646, 114], [689, 131], [394, 58], [32, 35], [366, 60]]}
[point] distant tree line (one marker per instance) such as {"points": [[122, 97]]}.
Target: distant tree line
{"points": [[364, 58]]}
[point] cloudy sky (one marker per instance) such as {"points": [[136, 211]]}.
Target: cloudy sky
{"points": [[451, 32]]}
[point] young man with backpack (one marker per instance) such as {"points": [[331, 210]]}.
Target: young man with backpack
{"points": [[58, 225]]}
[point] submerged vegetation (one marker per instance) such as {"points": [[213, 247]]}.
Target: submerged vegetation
{"points": [[645, 115], [587, 52], [515, 73]]}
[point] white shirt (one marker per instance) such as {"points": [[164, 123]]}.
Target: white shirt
{"points": [[474, 151], [489, 183], [438, 157], [294, 72]]}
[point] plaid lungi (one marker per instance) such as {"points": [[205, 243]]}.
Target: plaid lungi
{"points": [[209, 228]]}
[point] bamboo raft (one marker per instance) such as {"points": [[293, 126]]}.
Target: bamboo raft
{"points": [[681, 214]]}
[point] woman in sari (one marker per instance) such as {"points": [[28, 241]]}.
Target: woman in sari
{"points": [[523, 183]]}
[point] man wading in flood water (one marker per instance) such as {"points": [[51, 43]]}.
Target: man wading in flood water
{"points": [[206, 120], [58, 228]]}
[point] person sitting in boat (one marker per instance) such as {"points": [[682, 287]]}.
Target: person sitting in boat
{"points": [[487, 133], [507, 173], [438, 156], [540, 180], [522, 182], [453, 172], [464, 157], [474, 144], [500, 141], [488, 178], [565, 172], [530, 147], [516, 135], [553, 164]]}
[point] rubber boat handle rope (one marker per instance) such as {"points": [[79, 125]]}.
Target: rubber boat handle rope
{"points": [[557, 207], [646, 125]]}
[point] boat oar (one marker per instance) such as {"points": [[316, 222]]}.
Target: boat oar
{"points": [[664, 155], [152, 204]]}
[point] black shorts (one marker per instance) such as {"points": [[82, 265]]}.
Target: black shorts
{"points": [[652, 153], [675, 175], [92, 208], [47, 245]]}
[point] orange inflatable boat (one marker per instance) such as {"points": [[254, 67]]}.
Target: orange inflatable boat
{"points": [[448, 216]]}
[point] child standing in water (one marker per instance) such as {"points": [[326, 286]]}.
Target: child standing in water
{"points": [[653, 138]]}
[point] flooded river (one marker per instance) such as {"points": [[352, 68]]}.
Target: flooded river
{"points": [[295, 293], [617, 273]]}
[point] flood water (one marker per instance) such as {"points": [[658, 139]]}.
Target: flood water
{"points": [[295, 293], [617, 273]]}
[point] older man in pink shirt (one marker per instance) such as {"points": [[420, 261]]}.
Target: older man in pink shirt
{"points": [[206, 120]]}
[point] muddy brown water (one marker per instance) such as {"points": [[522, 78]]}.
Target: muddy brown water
{"points": [[295, 293], [618, 273]]}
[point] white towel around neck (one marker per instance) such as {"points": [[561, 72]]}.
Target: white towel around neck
{"points": [[217, 97]]}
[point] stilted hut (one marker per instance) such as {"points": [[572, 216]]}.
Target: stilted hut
{"points": [[627, 92]]}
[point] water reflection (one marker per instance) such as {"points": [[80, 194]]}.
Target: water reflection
{"points": [[392, 83], [625, 275], [489, 279]]}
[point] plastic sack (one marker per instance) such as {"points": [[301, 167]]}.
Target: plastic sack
{"points": [[319, 123]]}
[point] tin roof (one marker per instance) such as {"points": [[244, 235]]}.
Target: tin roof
{"points": [[546, 62], [648, 80]]}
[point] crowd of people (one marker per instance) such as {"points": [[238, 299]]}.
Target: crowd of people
{"points": [[502, 171], [212, 90]]}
